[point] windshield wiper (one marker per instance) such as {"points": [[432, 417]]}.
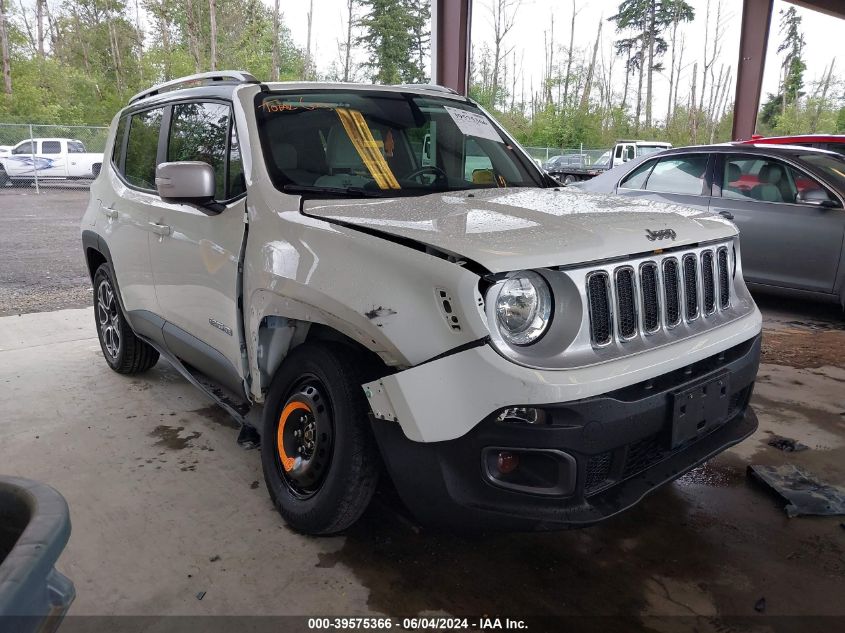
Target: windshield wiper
{"points": [[346, 192]]}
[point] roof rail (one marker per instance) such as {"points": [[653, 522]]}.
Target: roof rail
{"points": [[220, 77], [434, 87]]}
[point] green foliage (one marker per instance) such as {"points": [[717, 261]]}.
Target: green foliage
{"points": [[97, 60], [394, 37]]}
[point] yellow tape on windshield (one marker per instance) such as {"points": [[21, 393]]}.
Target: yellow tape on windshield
{"points": [[367, 147]]}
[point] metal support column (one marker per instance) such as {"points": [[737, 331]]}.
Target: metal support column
{"points": [[756, 19], [450, 26]]}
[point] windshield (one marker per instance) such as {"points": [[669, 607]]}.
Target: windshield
{"points": [[384, 143], [831, 167]]}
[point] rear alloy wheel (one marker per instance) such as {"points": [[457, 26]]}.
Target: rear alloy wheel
{"points": [[320, 461], [124, 352]]}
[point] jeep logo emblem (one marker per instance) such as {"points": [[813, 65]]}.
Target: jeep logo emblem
{"points": [[660, 235]]}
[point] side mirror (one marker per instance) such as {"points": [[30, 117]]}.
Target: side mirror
{"points": [[185, 180], [816, 197]]}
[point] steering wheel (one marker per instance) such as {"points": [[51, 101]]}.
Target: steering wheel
{"points": [[439, 174]]}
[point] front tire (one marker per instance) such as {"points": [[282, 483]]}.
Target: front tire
{"points": [[569, 180], [320, 461], [124, 352]]}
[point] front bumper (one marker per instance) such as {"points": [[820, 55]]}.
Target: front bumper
{"points": [[618, 443]]}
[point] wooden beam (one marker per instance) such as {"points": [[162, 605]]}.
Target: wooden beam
{"points": [[451, 21], [754, 38]]}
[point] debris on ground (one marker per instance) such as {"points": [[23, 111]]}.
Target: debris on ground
{"points": [[760, 605], [254, 485], [787, 444], [200, 595], [214, 558], [804, 492]]}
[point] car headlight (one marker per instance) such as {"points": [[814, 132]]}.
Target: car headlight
{"points": [[523, 308]]}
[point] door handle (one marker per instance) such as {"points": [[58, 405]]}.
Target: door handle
{"points": [[159, 229], [109, 212], [727, 214]]}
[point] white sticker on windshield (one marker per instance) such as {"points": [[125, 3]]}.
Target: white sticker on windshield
{"points": [[473, 124]]}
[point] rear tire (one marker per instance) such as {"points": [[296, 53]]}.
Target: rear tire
{"points": [[124, 352], [569, 180], [96, 170], [320, 460], [4, 177]]}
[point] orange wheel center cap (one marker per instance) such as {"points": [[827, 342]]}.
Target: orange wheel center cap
{"points": [[288, 462]]}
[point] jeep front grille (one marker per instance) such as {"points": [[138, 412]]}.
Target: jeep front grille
{"points": [[691, 286], [650, 297], [708, 282], [724, 280], [672, 291], [598, 294], [659, 293]]}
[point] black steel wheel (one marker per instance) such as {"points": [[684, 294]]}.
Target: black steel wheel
{"points": [[320, 460]]}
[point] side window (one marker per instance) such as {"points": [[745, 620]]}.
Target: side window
{"points": [[237, 184], [637, 178], [763, 179], [25, 148], [682, 174], [75, 147], [809, 190], [117, 151], [200, 131], [51, 147], [142, 148]]}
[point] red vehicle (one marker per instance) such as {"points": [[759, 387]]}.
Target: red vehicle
{"points": [[830, 142]]}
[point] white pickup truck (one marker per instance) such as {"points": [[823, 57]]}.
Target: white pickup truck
{"points": [[48, 158]]}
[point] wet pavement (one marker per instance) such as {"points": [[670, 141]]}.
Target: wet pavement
{"points": [[165, 505], [158, 489]]}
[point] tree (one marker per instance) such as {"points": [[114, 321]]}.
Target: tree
{"points": [[395, 33], [503, 17], [645, 21], [4, 50], [212, 17], [793, 63], [276, 20]]}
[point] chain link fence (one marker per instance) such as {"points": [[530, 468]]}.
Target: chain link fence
{"points": [[578, 157], [44, 158]]}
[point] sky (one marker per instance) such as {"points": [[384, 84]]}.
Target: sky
{"points": [[533, 18]]}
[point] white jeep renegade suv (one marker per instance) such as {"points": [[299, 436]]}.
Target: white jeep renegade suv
{"points": [[379, 279]]}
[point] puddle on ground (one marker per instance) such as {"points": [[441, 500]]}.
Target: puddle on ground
{"points": [[169, 437], [217, 415], [717, 473], [556, 573]]}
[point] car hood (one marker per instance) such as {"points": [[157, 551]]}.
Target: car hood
{"points": [[520, 228]]}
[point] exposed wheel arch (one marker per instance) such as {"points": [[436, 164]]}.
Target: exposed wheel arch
{"points": [[279, 336]]}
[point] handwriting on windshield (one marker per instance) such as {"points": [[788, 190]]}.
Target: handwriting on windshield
{"points": [[278, 105]]}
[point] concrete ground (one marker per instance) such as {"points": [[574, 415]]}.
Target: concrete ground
{"points": [[165, 505]]}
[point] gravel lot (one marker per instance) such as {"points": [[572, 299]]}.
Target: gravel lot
{"points": [[43, 268]]}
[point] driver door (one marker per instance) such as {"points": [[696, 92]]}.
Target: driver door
{"points": [[784, 242]]}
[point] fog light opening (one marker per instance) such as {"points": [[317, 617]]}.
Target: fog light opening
{"points": [[507, 462], [522, 415]]}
